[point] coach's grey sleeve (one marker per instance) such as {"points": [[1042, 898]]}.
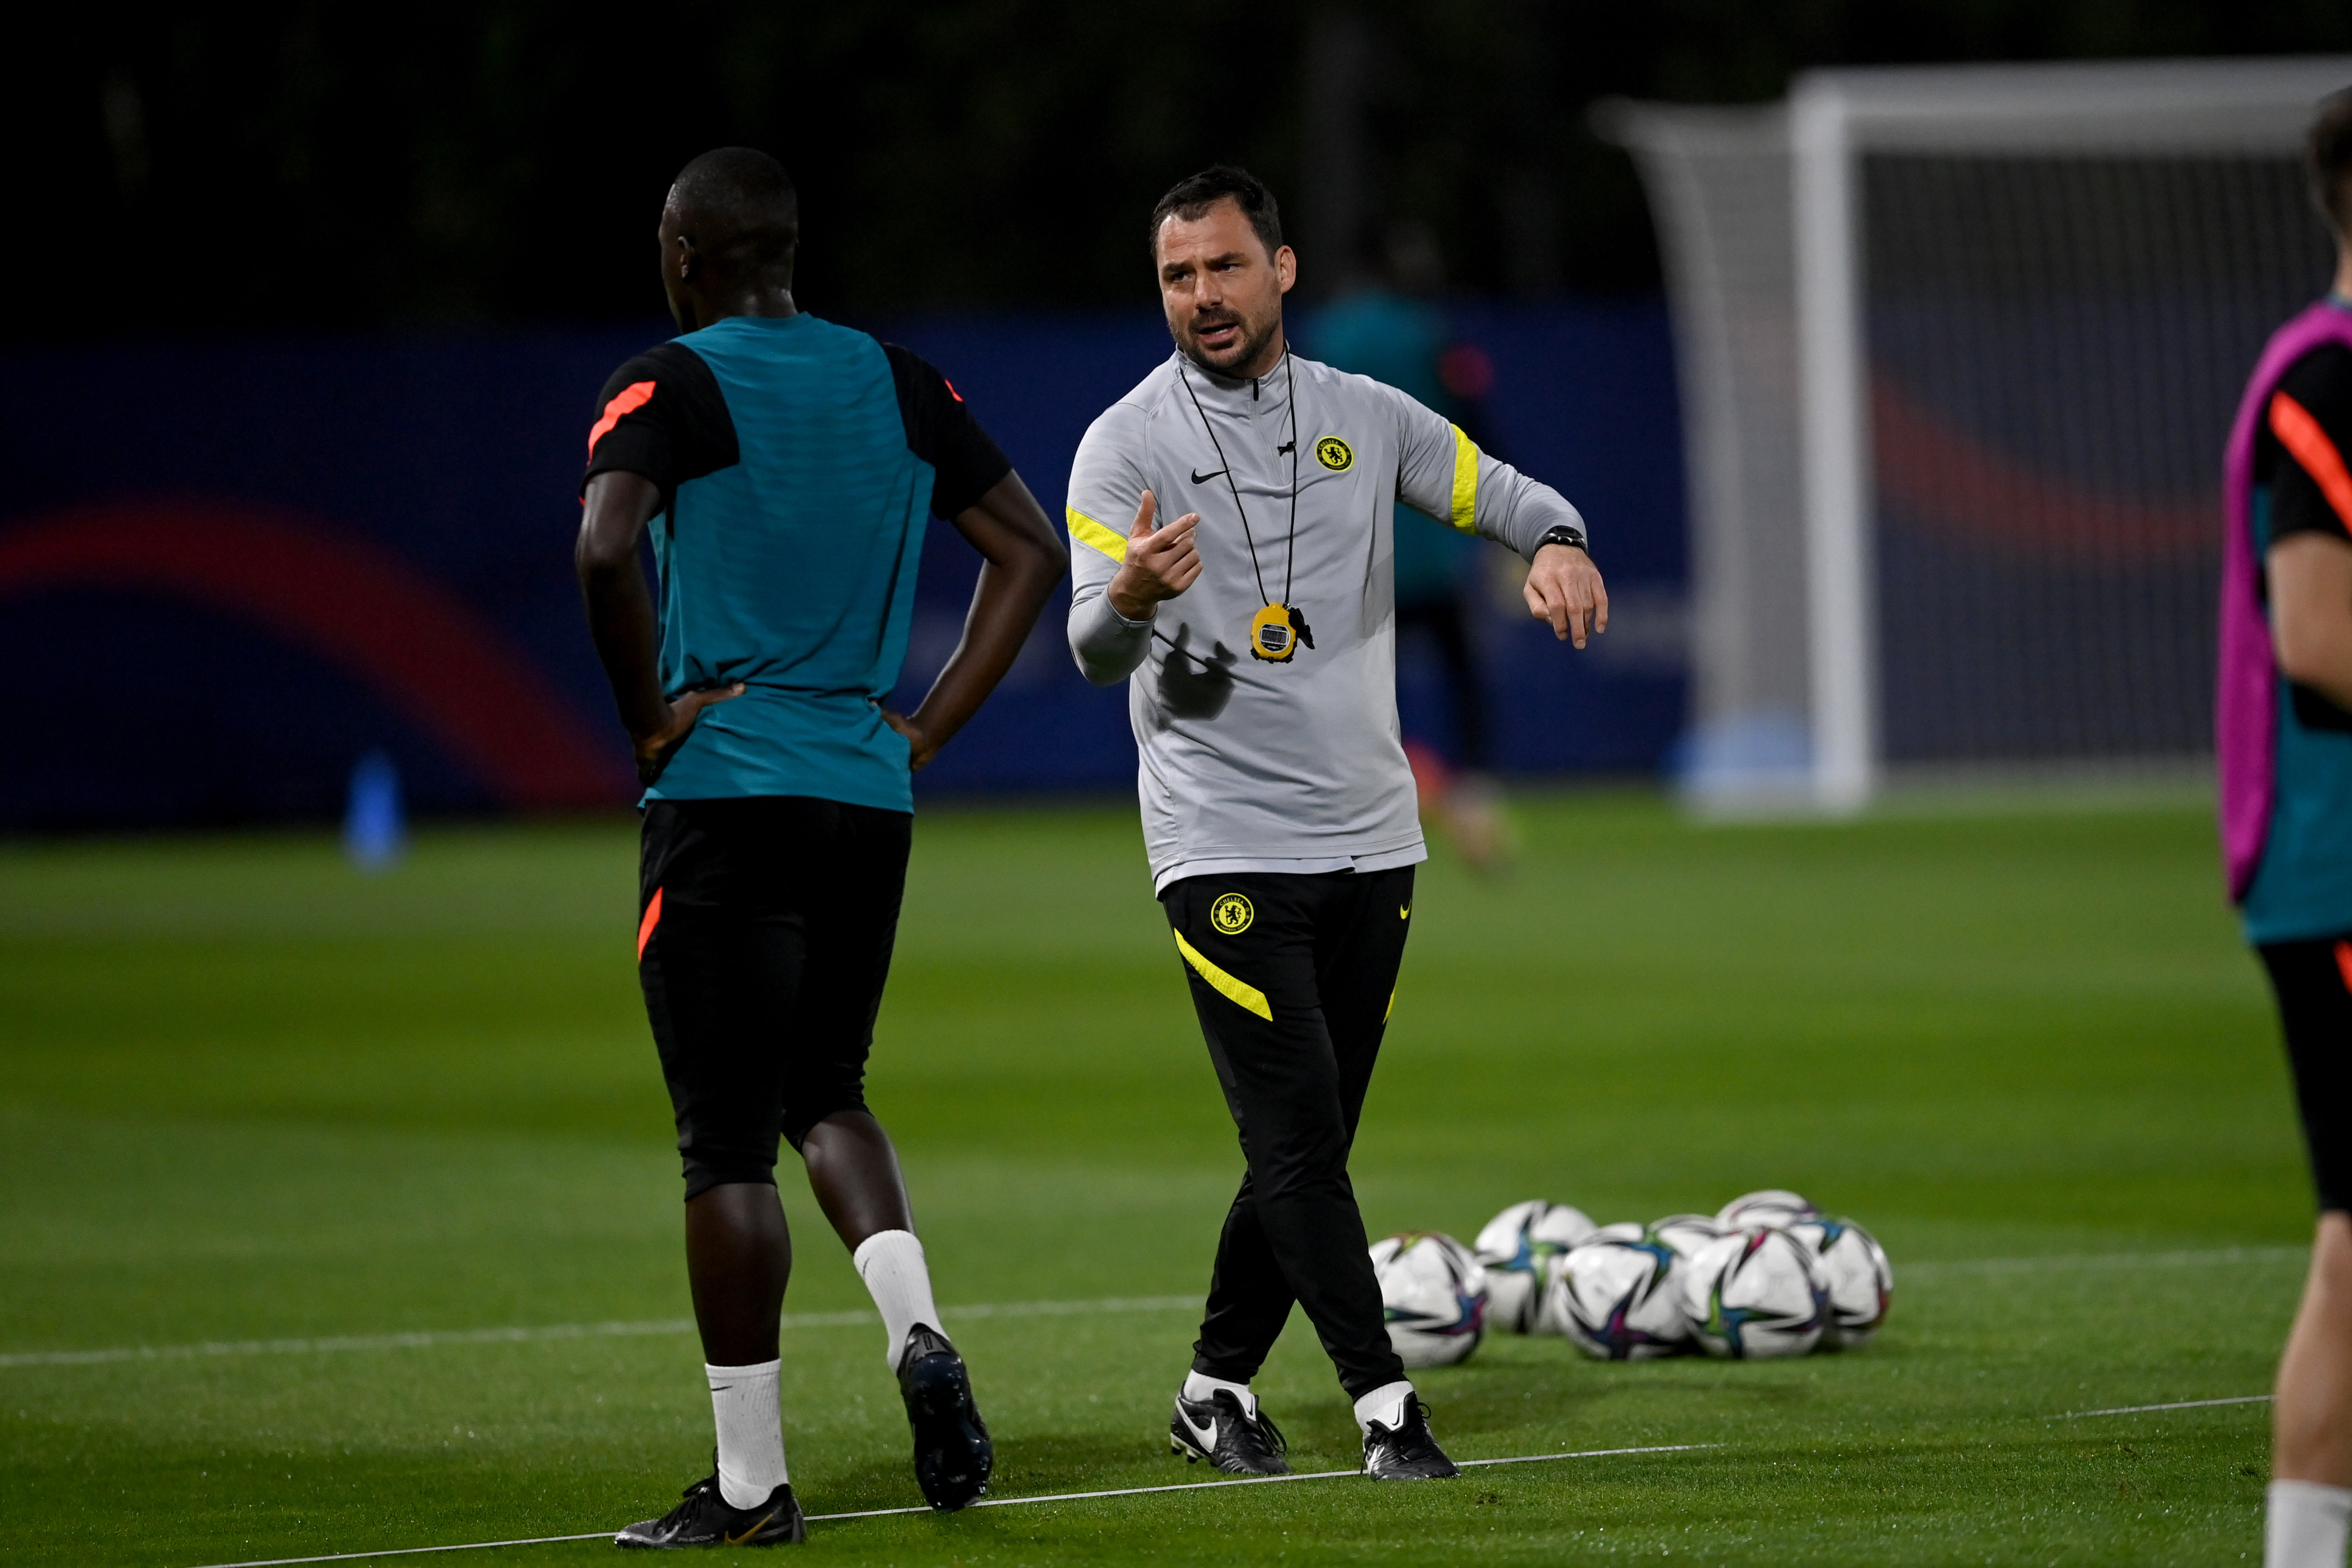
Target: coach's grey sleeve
{"points": [[1441, 472], [1106, 487]]}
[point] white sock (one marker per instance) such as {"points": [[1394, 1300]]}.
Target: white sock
{"points": [[2307, 1525], [751, 1431], [1384, 1404], [1199, 1386], [891, 1264]]}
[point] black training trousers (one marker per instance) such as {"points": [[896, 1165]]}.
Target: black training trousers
{"points": [[2312, 980], [765, 925], [1293, 977]]}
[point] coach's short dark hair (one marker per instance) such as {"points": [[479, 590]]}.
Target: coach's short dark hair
{"points": [[1190, 197], [746, 205], [2327, 159]]}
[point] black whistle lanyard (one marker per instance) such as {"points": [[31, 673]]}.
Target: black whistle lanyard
{"points": [[1290, 545]]}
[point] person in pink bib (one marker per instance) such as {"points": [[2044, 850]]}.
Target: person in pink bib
{"points": [[2283, 735]]}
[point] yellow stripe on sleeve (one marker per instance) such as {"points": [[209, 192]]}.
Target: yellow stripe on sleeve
{"points": [[1110, 540], [1466, 482], [1246, 996]]}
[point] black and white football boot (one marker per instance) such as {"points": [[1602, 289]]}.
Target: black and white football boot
{"points": [[704, 1517], [1240, 1442], [952, 1452], [1405, 1452]]}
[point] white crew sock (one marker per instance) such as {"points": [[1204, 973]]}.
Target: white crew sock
{"points": [[1384, 1404], [2307, 1525], [1199, 1386], [751, 1431], [891, 1264]]}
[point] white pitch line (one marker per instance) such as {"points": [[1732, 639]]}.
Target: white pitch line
{"points": [[984, 1502], [2176, 1404], [526, 1335]]}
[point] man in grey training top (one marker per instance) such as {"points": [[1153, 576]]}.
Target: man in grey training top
{"points": [[1256, 632]]}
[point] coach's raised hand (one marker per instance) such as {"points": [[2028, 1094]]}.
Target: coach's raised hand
{"points": [[1162, 562], [1564, 587]]}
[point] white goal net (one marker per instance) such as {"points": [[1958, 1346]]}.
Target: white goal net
{"points": [[1958, 349]]}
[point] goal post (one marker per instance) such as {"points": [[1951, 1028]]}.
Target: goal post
{"points": [[1958, 348]]}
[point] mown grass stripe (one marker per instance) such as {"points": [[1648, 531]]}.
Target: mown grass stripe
{"points": [[427, 1339]]}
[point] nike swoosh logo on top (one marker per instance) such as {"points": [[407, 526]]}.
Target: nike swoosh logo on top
{"points": [[739, 1539], [1202, 478], [1405, 911]]}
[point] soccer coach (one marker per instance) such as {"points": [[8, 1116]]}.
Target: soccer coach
{"points": [[787, 467], [1257, 634]]}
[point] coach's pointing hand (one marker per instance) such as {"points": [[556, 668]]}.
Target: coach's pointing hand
{"points": [[1564, 588], [1161, 562]]}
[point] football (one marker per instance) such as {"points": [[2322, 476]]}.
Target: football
{"points": [[1772, 1205], [1617, 1300], [1755, 1294], [1434, 1295], [1685, 1233], [1515, 1247], [1855, 1269]]}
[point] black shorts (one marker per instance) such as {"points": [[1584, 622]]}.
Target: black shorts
{"points": [[2312, 980], [764, 937]]}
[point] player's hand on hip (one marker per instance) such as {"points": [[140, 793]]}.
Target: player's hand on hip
{"points": [[1161, 562], [1564, 587], [920, 748], [655, 751]]}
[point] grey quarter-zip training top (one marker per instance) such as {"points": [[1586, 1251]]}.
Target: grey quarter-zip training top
{"points": [[1248, 764]]}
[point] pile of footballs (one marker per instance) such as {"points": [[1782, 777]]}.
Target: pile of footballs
{"points": [[1766, 1275]]}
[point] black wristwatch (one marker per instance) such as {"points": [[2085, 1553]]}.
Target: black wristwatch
{"points": [[1560, 533]]}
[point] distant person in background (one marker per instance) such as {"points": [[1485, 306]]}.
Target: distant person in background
{"points": [[1385, 325], [2283, 734], [787, 467]]}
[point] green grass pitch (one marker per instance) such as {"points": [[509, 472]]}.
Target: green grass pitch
{"points": [[249, 1096]]}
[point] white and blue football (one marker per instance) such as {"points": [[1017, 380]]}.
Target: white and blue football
{"points": [[1771, 1205], [1755, 1294], [1685, 1233], [1514, 1249], [1434, 1293], [1619, 1299], [1853, 1267]]}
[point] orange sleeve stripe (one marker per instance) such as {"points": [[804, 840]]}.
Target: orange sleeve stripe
{"points": [[645, 926], [2308, 445], [627, 401]]}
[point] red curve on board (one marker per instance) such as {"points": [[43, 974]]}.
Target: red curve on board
{"points": [[1945, 477], [434, 658]]}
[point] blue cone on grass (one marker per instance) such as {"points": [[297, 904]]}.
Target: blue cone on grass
{"points": [[376, 828]]}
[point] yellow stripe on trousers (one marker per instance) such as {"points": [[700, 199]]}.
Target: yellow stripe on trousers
{"points": [[1087, 530], [1466, 482], [1233, 990]]}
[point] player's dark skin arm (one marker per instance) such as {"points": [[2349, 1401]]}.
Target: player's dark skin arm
{"points": [[1023, 558], [621, 620]]}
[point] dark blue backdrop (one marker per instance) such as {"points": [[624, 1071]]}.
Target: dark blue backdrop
{"points": [[435, 476]]}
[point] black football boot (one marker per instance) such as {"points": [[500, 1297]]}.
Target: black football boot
{"points": [[1406, 1452], [704, 1517], [952, 1452], [1219, 1430]]}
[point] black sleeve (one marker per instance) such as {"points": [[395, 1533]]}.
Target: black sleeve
{"points": [[941, 431], [2320, 384], [662, 415]]}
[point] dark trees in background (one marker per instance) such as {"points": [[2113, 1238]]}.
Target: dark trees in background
{"points": [[314, 165]]}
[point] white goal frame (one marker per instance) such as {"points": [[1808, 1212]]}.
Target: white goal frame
{"points": [[1830, 120]]}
